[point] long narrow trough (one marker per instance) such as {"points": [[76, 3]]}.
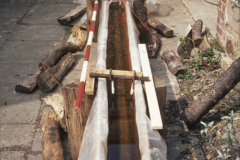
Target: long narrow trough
{"points": [[122, 137], [118, 127]]}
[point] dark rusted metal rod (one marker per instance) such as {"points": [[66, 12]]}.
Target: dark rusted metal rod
{"points": [[97, 75]]}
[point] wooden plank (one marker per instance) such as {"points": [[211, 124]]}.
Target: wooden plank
{"points": [[89, 87], [119, 72], [153, 106]]}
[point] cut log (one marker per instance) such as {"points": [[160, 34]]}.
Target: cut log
{"points": [[72, 15], [76, 122], [185, 51], [213, 95], [55, 54], [90, 7], [46, 82], [29, 83], [161, 91], [77, 37], [204, 45], [153, 46], [196, 32], [160, 28], [52, 147], [56, 101], [89, 87], [173, 63]]}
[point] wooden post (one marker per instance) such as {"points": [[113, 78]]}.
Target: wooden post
{"points": [[141, 12], [161, 91], [76, 122], [52, 147]]}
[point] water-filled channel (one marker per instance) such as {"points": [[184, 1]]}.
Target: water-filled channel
{"points": [[123, 136]]}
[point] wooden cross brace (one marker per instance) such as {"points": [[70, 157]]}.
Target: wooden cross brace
{"points": [[111, 74]]}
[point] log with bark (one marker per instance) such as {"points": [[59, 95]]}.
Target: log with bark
{"points": [[46, 81], [72, 15], [76, 122], [29, 83], [55, 54], [185, 50], [52, 147], [56, 101], [196, 32], [173, 63], [160, 27], [153, 45], [213, 95]]}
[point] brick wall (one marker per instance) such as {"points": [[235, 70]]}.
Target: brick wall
{"points": [[221, 26]]}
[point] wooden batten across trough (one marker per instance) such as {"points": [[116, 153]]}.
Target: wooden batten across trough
{"points": [[152, 100], [119, 72]]}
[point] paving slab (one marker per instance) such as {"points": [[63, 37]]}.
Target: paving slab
{"points": [[45, 110], [25, 52], [35, 157], [2, 42], [37, 143], [23, 112], [7, 27], [12, 155], [12, 73], [14, 8], [47, 13], [11, 97], [207, 12], [20, 135], [38, 33]]}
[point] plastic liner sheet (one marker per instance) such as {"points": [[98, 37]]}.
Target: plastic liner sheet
{"points": [[94, 144], [151, 144]]}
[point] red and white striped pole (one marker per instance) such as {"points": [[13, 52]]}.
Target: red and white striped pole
{"points": [[86, 59]]}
